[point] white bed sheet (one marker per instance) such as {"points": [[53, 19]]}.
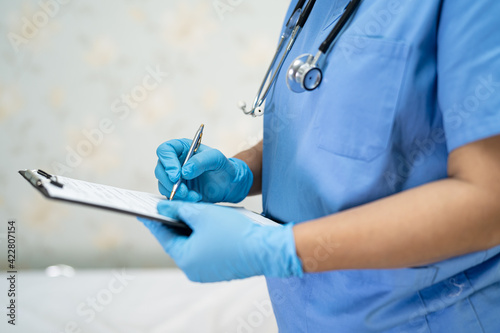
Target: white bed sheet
{"points": [[129, 301]]}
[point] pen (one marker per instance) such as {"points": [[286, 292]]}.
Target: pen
{"points": [[192, 149]]}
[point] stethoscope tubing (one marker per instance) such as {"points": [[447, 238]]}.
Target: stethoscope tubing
{"points": [[297, 20], [270, 76], [260, 98]]}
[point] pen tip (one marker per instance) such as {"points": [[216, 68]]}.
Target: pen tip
{"points": [[171, 196]]}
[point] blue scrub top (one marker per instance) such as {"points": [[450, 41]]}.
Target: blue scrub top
{"points": [[408, 82]]}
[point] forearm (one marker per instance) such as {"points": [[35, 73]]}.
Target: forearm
{"points": [[253, 158], [416, 227]]}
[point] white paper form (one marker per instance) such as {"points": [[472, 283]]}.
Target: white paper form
{"points": [[136, 203]]}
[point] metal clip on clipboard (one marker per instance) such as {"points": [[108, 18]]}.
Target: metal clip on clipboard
{"points": [[37, 181], [130, 202]]}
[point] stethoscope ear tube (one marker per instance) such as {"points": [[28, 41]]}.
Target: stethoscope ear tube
{"points": [[259, 97], [305, 13], [299, 5], [293, 26]]}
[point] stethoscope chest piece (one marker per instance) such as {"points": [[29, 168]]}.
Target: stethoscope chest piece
{"points": [[303, 74]]}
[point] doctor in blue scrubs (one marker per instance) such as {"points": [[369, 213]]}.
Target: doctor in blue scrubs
{"points": [[386, 177]]}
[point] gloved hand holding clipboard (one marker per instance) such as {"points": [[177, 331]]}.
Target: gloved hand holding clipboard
{"points": [[136, 203]]}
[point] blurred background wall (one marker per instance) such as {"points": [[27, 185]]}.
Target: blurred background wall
{"points": [[89, 89]]}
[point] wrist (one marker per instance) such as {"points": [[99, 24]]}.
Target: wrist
{"points": [[242, 181], [253, 158], [279, 258]]}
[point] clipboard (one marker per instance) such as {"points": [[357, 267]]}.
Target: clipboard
{"points": [[136, 203], [140, 204]]}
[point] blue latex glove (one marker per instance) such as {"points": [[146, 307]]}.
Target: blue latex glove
{"points": [[225, 244], [208, 176]]}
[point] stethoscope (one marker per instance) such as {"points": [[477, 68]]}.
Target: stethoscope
{"points": [[304, 73]]}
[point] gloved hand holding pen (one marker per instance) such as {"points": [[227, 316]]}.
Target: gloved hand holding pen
{"points": [[224, 244], [208, 176]]}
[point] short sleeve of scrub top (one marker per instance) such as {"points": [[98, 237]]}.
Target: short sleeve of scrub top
{"points": [[406, 83]]}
